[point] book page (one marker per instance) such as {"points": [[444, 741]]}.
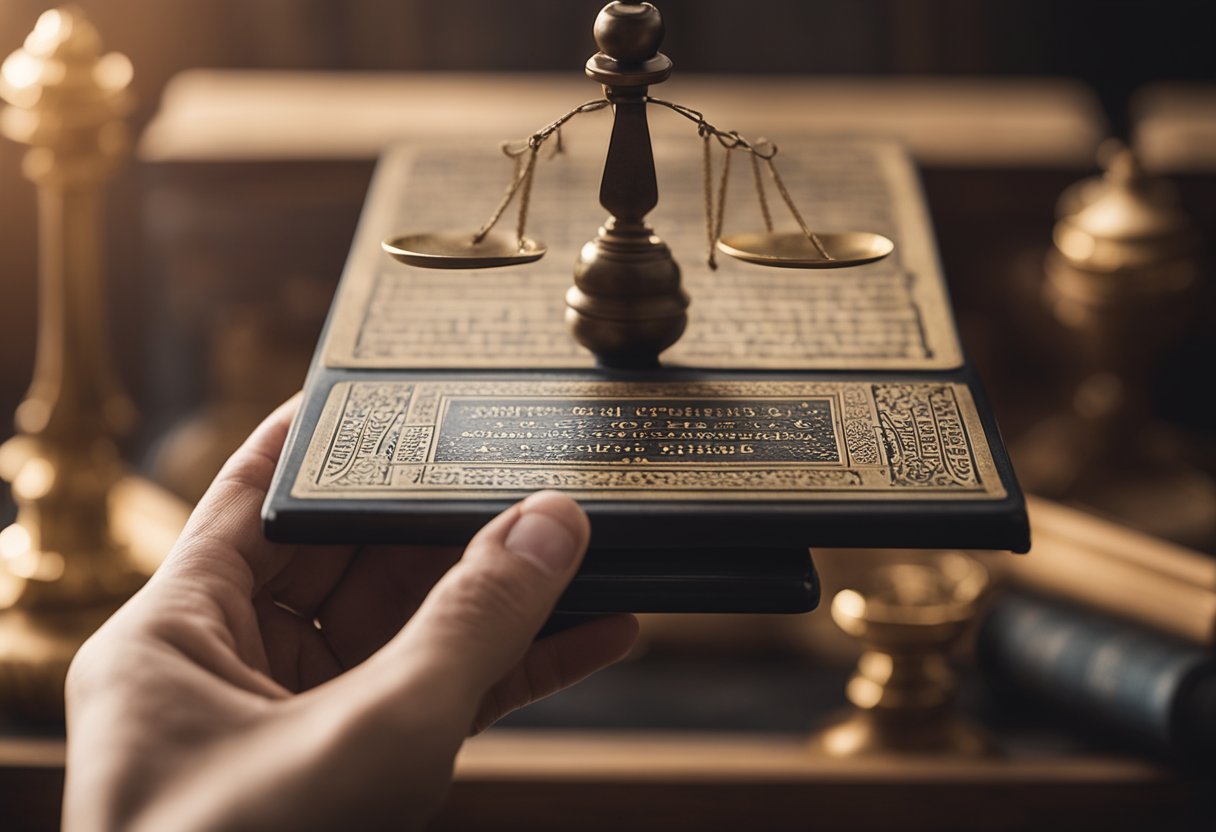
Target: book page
{"points": [[889, 315]]}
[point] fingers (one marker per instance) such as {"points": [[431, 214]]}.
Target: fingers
{"points": [[314, 573], [381, 590], [479, 620], [558, 662], [267, 438], [297, 654], [224, 534]]}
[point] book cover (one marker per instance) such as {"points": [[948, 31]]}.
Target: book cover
{"points": [[831, 408]]}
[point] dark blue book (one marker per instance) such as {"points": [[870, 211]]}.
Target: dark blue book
{"points": [[1117, 676]]}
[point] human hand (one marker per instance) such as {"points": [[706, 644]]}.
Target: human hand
{"points": [[257, 685]]}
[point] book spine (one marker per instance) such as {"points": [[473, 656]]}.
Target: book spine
{"points": [[1128, 679]]}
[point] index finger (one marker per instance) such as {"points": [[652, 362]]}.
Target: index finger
{"points": [[224, 533]]}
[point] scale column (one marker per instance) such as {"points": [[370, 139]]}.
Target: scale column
{"points": [[626, 304]]}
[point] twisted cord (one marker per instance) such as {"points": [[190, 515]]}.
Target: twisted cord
{"points": [[714, 213], [789, 203], [517, 179], [525, 198], [768, 217], [524, 170], [722, 196], [729, 139], [759, 149], [707, 178]]}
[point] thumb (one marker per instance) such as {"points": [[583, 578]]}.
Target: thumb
{"points": [[482, 616]]}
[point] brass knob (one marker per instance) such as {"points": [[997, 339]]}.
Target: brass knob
{"points": [[629, 33]]}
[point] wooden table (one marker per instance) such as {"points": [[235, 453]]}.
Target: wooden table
{"points": [[597, 780]]}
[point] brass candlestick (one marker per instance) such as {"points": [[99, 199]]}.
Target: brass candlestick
{"points": [[1120, 278], [908, 616], [63, 565]]}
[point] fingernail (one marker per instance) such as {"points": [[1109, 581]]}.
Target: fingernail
{"points": [[543, 540]]}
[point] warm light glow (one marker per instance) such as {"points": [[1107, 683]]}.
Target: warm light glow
{"points": [[845, 740], [20, 70], [14, 542], [851, 603], [863, 693], [22, 561], [1076, 246], [10, 590], [46, 566], [113, 72], [36, 479], [48, 31]]}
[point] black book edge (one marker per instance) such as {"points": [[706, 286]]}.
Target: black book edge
{"points": [[923, 523]]}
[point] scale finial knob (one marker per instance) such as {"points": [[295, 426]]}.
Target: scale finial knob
{"points": [[629, 33]]}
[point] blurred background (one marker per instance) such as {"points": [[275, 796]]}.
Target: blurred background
{"points": [[1113, 48], [256, 130]]}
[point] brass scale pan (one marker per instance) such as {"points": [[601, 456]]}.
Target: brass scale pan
{"points": [[792, 249]]}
